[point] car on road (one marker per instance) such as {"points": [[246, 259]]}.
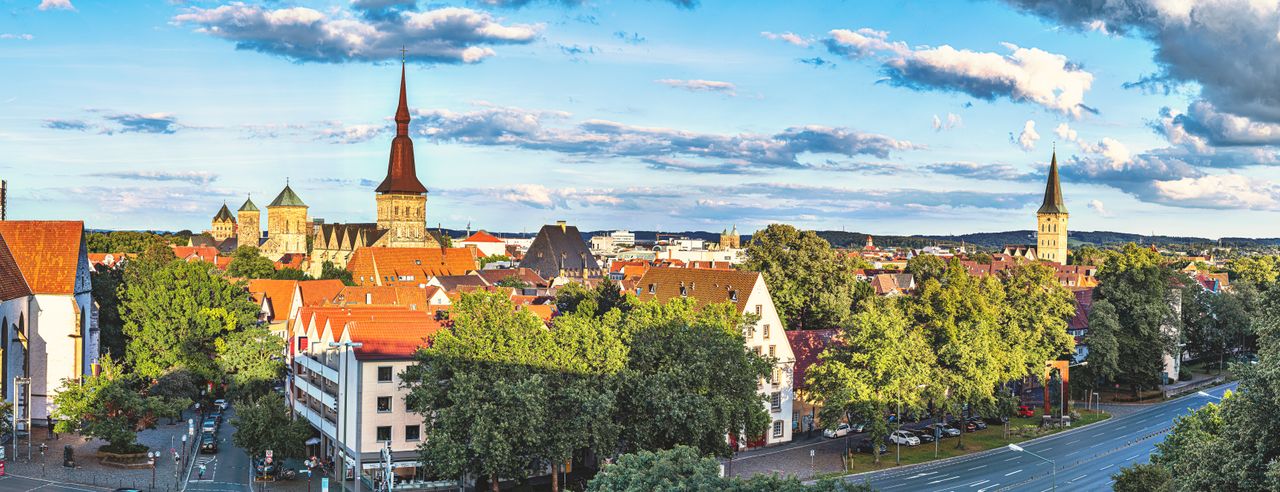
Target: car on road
{"points": [[925, 435], [840, 431], [904, 437], [210, 424], [216, 413], [127, 490], [208, 443], [1026, 412], [866, 445], [220, 403], [947, 431]]}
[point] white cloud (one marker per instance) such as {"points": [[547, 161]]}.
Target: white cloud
{"points": [[698, 85], [1064, 132], [56, 4], [789, 37], [1223, 191], [1028, 137], [23, 37], [1097, 206], [951, 122]]}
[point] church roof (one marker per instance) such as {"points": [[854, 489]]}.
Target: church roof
{"points": [[1053, 192], [402, 176], [287, 198], [223, 215], [558, 248], [47, 252], [248, 206]]}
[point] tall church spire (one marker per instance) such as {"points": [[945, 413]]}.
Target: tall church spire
{"points": [[401, 173], [1053, 191]]}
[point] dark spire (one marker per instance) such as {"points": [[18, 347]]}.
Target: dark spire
{"points": [[1053, 191], [401, 173], [223, 214]]}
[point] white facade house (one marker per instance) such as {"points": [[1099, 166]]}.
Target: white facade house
{"points": [[486, 244], [60, 339], [748, 292]]}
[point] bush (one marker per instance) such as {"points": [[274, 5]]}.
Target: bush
{"points": [[123, 448], [1184, 374]]}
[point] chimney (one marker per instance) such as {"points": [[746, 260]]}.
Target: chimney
{"points": [[562, 225]]}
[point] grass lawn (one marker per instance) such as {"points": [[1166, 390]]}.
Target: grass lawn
{"points": [[992, 437]]}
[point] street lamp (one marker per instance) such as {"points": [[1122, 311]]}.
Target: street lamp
{"points": [[1052, 466], [342, 417]]}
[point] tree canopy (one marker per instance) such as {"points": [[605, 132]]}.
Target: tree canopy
{"points": [[247, 262], [812, 285], [684, 469], [108, 406], [264, 423], [1137, 284]]}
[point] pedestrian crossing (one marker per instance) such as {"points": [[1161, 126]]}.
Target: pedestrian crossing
{"points": [[204, 469]]}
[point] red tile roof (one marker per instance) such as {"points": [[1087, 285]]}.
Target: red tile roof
{"points": [[807, 345], [202, 253], [47, 252], [399, 339], [411, 296], [704, 286], [319, 292], [278, 292], [1084, 304], [482, 237], [370, 266], [12, 284]]}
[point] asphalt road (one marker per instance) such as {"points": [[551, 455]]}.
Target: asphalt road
{"points": [[12, 483], [226, 471], [1085, 458]]}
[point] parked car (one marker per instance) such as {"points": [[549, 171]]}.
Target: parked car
{"points": [[858, 427], [969, 426], [1001, 420], [865, 445], [220, 403], [840, 431], [208, 443], [210, 424], [904, 437], [947, 431], [216, 413], [925, 435], [1026, 412], [977, 422]]}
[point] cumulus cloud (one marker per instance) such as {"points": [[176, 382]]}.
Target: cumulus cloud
{"points": [[1097, 206], [1027, 137], [338, 133], [114, 122], [1223, 191], [22, 37], [1024, 75], [663, 148], [193, 177], [973, 170], [515, 4], [63, 124], [56, 4], [1204, 125], [1226, 48], [951, 121], [789, 37], [444, 35], [699, 85], [1065, 133]]}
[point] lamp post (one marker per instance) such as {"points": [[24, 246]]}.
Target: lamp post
{"points": [[1053, 467], [342, 417]]}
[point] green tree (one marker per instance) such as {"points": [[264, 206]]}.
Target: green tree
{"points": [[982, 258], [882, 361], [1258, 270], [1104, 346], [108, 406], [174, 315], [925, 267], [684, 469], [605, 296], [246, 262], [1142, 477], [812, 285], [328, 271], [485, 260], [123, 241], [288, 274], [250, 358], [264, 423], [106, 283], [513, 282], [1137, 283], [1088, 255], [1036, 311]]}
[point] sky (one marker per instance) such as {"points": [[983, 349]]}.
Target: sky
{"points": [[887, 117]]}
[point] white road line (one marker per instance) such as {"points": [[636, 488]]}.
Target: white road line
{"points": [[944, 479], [1095, 445], [918, 475], [977, 467], [1077, 478], [975, 484], [1132, 457], [1013, 472], [1108, 466], [1013, 458], [1073, 442]]}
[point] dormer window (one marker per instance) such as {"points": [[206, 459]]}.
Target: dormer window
{"points": [[733, 295], [651, 288], [683, 292]]}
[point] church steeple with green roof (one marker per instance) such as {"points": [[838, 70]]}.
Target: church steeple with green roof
{"points": [[287, 198], [248, 206]]}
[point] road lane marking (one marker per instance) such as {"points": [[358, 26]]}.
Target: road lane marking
{"points": [[1132, 457], [1095, 445], [1013, 458], [1108, 466], [1073, 442], [944, 479], [977, 467], [975, 484], [1077, 478], [1013, 472], [918, 475]]}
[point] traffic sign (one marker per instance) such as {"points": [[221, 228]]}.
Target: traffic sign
{"points": [[324, 481]]}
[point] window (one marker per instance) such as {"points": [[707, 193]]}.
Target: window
{"points": [[775, 401], [683, 291], [650, 288], [384, 404], [766, 331], [777, 428], [773, 350], [733, 295], [412, 432], [384, 433], [777, 376], [759, 310], [757, 349], [384, 374]]}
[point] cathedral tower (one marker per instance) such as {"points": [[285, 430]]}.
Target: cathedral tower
{"points": [[402, 200], [1051, 220], [223, 226], [286, 225], [250, 228]]}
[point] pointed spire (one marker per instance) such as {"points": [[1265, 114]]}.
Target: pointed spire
{"points": [[402, 176], [248, 205], [1053, 191]]}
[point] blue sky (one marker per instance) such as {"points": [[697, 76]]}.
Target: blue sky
{"points": [[884, 117]]}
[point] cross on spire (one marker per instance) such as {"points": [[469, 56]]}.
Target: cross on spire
{"points": [[403, 51]]}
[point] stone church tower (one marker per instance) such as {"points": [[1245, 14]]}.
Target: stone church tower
{"points": [[223, 226], [1051, 220], [286, 225], [250, 229], [401, 199]]}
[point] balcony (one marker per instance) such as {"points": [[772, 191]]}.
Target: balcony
{"points": [[318, 418], [312, 388], [315, 366]]}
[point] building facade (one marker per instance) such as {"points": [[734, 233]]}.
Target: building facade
{"points": [[223, 226], [249, 229], [1051, 220], [286, 225]]}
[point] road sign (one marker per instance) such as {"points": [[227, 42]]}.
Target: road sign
{"points": [[324, 481], [811, 453], [268, 456]]}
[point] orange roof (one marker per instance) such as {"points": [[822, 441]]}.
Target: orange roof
{"points": [[704, 286], [319, 292], [202, 253], [544, 311], [47, 252], [279, 292], [290, 260], [12, 285], [383, 339], [337, 316], [414, 297], [222, 262], [385, 266], [482, 237]]}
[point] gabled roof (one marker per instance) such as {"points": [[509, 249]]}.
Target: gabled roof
{"points": [[224, 215], [287, 198], [248, 206], [47, 252], [482, 237], [202, 253], [1053, 192], [454, 283], [384, 340], [704, 286], [278, 292], [493, 276], [12, 284], [558, 247], [1084, 304], [807, 345], [413, 297], [371, 266], [318, 292]]}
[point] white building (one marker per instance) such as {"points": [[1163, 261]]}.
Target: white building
{"points": [[487, 244], [747, 290], [60, 339], [353, 395]]}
